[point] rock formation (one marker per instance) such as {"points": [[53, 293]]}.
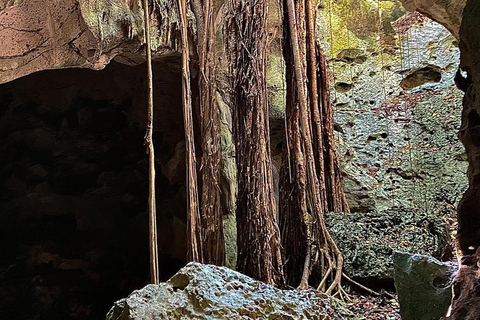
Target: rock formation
{"points": [[209, 292], [446, 12], [41, 35], [367, 241], [424, 286], [466, 286]]}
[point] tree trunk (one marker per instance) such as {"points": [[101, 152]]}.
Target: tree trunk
{"points": [[337, 201], [310, 156], [259, 252], [212, 222], [194, 227], [294, 217]]}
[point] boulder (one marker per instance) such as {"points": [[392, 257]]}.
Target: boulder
{"points": [[424, 286], [209, 292], [368, 240]]}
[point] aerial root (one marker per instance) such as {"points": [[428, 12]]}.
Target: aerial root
{"points": [[361, 285]]}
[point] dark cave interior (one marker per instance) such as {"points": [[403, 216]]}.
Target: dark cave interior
{"points": [[74, 188]]}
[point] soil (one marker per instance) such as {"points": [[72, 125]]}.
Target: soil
{"points": [[382, 307]]}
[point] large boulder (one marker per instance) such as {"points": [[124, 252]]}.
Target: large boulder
{"points": [[209, 292], [424, 286], [368, 240]]}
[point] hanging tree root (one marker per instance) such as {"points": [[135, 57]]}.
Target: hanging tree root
{"points": [[327, 248], [194, 237], [315, 159], [150, 150]]}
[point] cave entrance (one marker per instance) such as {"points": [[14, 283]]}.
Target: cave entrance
{"points": [[74, 188]]}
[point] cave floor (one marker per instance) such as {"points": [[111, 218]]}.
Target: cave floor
{"points": [[383, 307]]}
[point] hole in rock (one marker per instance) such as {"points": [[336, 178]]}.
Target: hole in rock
{"points": [[429, 74], [343, 87]]}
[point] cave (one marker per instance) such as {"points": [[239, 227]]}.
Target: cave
{"points": [[74, 189], [74, 167]]}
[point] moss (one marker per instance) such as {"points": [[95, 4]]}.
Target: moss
{"points": [[275, 83]]}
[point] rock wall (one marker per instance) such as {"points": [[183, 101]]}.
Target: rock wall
{"points": [[469, 209], [397, 109]]}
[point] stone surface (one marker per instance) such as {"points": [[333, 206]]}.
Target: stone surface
{"points": [[466, 302], [424, 286], [40, 35], [446, 12], [466, 286], [209, 292], [367, 240], [397, 109]]}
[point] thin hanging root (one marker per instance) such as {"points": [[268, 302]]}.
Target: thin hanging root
{"points": [[360, 285], [306, 271], [149, 143]]}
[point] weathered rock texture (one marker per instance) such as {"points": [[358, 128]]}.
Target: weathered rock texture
{"points": [[45, 34], [446, 12], [469, 208], [368, 240], [397, 109], [465, 304], [424, 286], [209, 292], [466, 287]]}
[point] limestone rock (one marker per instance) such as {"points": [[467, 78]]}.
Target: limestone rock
{"points": [[209, 292], [446, 12], [466, 286], [397, 110], [40, 35], [367, 240], [466, 301], [424, 286]]}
